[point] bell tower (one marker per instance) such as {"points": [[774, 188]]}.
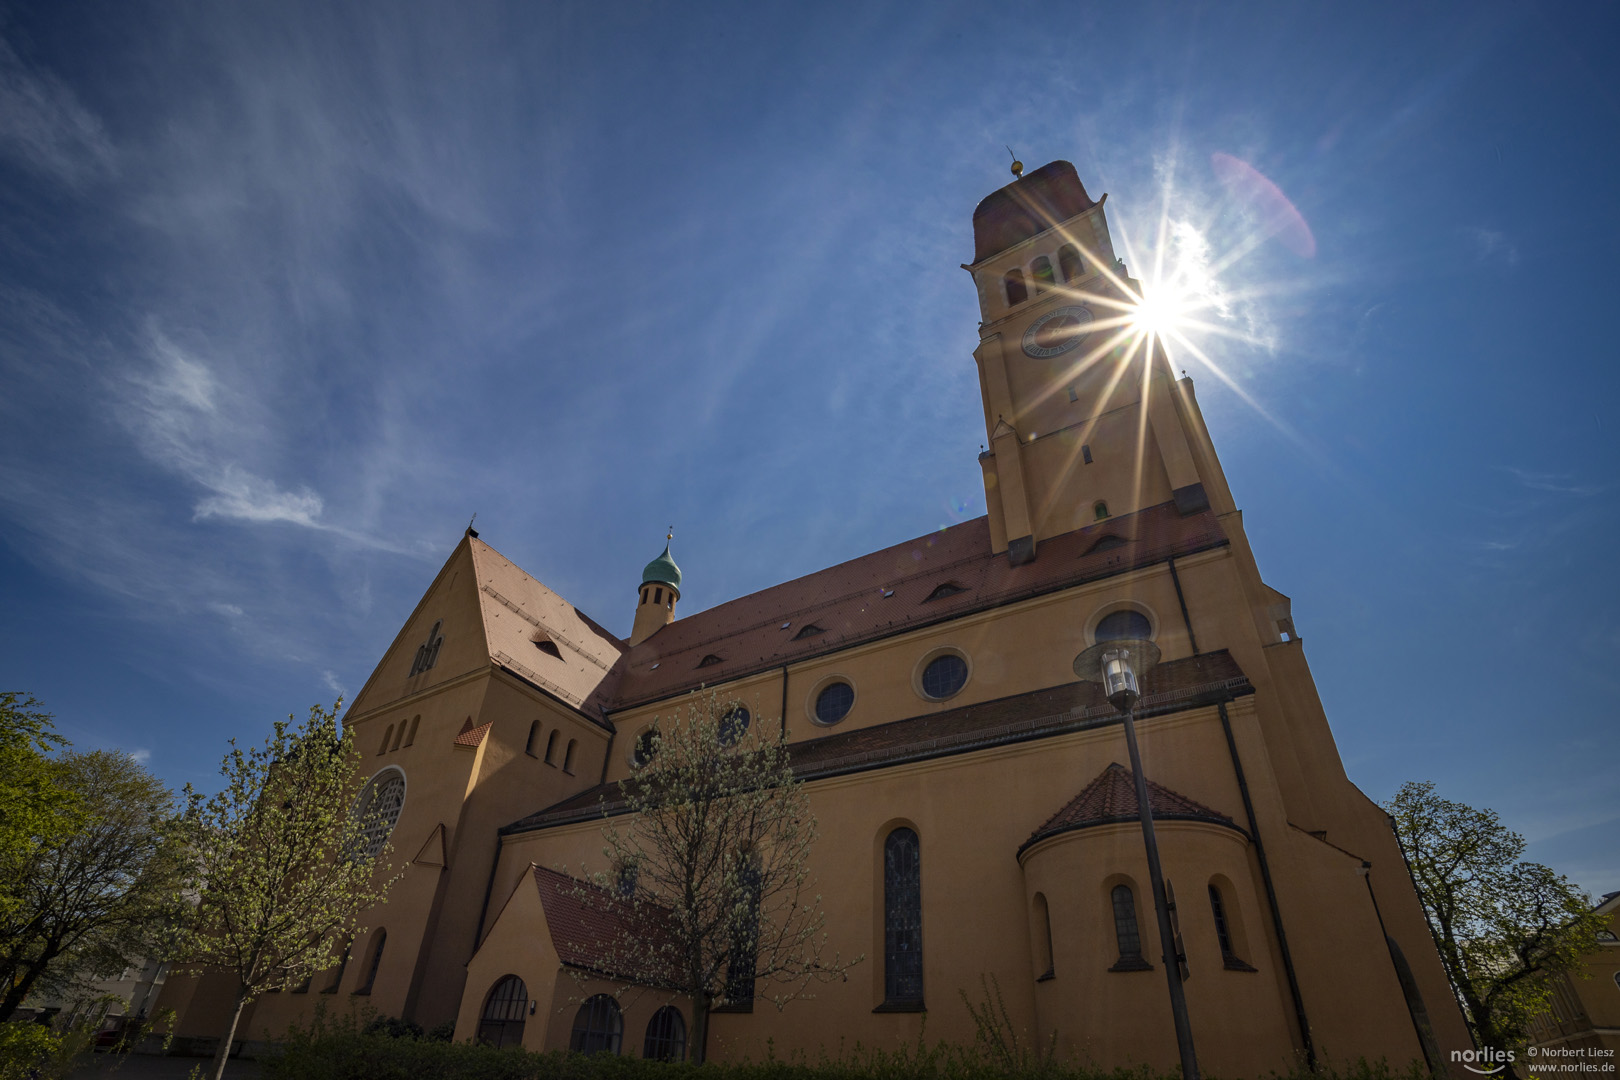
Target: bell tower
{"points": [[1082, 424], [660, 589]]}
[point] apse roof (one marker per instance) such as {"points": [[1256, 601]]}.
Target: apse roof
{"points": [[1111, 798], [1173, 686]]}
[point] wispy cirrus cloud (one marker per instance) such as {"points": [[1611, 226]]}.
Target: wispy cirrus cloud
{"points": [[185, 419], [1492, 246], [44, 126]]}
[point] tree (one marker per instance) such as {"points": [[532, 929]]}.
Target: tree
{"points": [[35, 809], [102, 896], [289, 860], [714, 850], [1502, 925]]}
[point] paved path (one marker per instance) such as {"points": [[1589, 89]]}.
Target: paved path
{"points": [[152, 1067]]}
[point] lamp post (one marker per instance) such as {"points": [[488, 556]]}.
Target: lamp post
{"points": [[1115, 664]]}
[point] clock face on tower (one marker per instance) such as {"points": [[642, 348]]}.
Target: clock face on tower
{"points": [[1058, 331]]}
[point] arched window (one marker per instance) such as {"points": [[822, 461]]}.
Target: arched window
{"points": [[551, 748], [1041, 272], [1043, 939], [1069, 262], [902, 919], [1100, 509], [744, 940], [1617, 979], [534, 737], [387, 738], [379, 807], [598, 1026], [415, 723], [505, 1010], [1126, 935], [666, 1036], [398, 735], [1014, 284], [370, 980], [343, 964], [1124, 625], [568, 755], [1223, 933]]}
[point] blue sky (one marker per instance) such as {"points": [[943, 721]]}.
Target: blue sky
{"points": [[287, 294]]}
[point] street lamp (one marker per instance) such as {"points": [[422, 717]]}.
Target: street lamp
{"points": [[1115, 664]]}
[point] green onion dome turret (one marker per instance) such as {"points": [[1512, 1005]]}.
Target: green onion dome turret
{"points": [[663, 571]]}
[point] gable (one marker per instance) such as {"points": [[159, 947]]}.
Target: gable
{"points": [[443, 637]]}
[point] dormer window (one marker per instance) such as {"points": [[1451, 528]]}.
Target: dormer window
{"points": [[547, 646], [1013, 283], [949, 588], [809, 630], [709, 661]]}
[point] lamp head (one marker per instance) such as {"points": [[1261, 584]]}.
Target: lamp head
{"points": [[1117, 665]]}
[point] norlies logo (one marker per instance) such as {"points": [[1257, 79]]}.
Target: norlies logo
{"points": [[1487, 1056]]}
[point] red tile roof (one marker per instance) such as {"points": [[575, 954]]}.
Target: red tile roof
{"points": [[1112, 798], [597, 931], [1174, 686], [472, 736], [887, 592]]}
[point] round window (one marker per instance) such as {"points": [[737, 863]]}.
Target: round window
{"points": [[733, 726], [944, 676], [1124, 624], [646, 747], [834, 702], [379, 809]]}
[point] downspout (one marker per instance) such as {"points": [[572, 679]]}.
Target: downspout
{"points": [[1271, 895], [1259, 847], [1182, 600], [784, 708], [1409, 990]]}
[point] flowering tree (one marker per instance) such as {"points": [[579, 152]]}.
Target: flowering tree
{"points": [[1501, 925], [289, 860], [713, 848]]}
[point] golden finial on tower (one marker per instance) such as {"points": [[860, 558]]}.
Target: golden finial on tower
{"points": [[1017, 166]]}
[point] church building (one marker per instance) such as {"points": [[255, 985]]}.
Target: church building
{"points": [[977, 813]]}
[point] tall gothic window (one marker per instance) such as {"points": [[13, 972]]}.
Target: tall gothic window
{"points": [[902, 919], [745, 941], [504, 1013], [1126, 935], [1223, 934]]}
